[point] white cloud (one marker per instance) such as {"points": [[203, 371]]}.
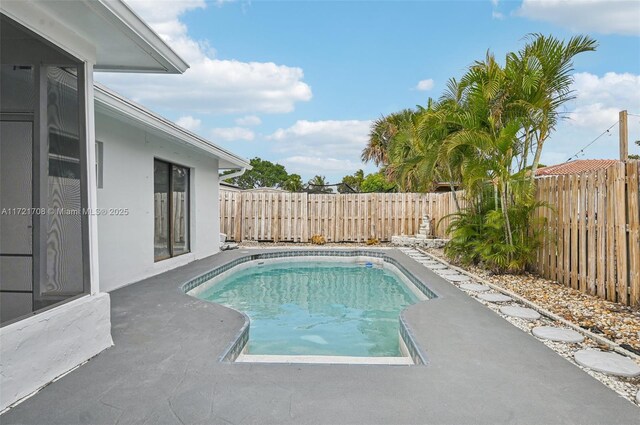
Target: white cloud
{"points": [[307, 165], [323, 139], [211, 85], [599, 99], [497, 15], [249, 120], [601, 16], [189, 122], [425, 85], [322, 147], [232, 133]]}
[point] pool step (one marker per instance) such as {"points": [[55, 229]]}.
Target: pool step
{"points": [[266, 358]]}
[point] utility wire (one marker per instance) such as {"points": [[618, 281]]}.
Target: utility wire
{"points": [[575, 155]]}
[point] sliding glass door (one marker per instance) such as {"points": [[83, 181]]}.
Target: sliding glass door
{"points": [[171, 210]]}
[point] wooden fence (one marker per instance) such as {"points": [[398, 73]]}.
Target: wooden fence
{"points": [[592, 237], [591, 227], [295, 217]]}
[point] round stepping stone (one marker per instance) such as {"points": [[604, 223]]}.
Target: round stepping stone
{"points": [[447, 272], [495, 298], [474, 287], [558, 334], [460, 278], [520, 312], [607, 362]]}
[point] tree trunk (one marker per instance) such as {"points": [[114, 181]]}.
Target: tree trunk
{"points": [[505, 212], [453, 188], [536, 160]]}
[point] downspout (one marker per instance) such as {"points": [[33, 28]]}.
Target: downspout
{"points": [[223, 237]]}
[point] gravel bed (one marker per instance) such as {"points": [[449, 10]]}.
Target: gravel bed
{"points": [[609, 317], [615, 322]]}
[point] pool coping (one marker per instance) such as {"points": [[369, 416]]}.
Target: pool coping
{"points": [[236, 347]]}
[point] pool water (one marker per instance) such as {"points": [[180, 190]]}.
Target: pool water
{"points": [[317, 308]]}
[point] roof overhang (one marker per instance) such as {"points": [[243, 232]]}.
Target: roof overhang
{"points": [[116, 105], [122, 40]]}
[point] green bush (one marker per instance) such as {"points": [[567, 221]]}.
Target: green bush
{"points": [[479, 237]]}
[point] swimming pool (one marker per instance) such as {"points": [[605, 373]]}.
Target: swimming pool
{"points": [[318, 307]]}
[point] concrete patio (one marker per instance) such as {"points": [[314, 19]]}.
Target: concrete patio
{"points": [[163, 369]]}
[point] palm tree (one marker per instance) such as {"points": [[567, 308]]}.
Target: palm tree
{"points": [[481, 132], [318, 184], [543, 71], [383, 130], [293, 183]]}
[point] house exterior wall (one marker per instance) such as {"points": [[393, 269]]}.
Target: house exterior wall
{"points": [[126, 243]]}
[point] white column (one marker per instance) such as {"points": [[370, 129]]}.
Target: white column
{"points": [[92, 199]]}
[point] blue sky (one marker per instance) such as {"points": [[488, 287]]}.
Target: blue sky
{"points": [[298, 82]]}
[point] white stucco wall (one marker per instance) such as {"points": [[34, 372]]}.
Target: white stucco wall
{"points": [[36, 350], [126, 252]]}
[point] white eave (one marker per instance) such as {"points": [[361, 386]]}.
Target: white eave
{"points": [[121, 39], [127, 109]]}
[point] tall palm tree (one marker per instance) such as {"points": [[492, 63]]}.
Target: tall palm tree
{"points": [[383, 130], [545, 70]]}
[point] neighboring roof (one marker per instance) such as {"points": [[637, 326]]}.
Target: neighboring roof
{"points": [[125, 108], [229, 186], [575, 167], [266, 189], [122, 40]]}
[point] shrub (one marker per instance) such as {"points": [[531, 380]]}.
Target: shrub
{"points": [[478, 236]]}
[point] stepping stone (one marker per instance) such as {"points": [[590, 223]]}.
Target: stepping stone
{"points": [[495, 298], [460, 278], [558, 334], [520, 312], [438, 267], [607, 362], [638, 397], [429, 263], [447, 272], [474, 287]]}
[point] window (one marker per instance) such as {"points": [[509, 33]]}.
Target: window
{"points": [[171, 210]]}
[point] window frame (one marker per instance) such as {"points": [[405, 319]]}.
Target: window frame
{"points": [[171, 230]]}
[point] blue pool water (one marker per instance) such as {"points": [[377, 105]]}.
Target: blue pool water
{"points": [[317, 308]]}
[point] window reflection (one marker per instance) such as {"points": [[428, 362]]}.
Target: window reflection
{"points": [[171, 210]]}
